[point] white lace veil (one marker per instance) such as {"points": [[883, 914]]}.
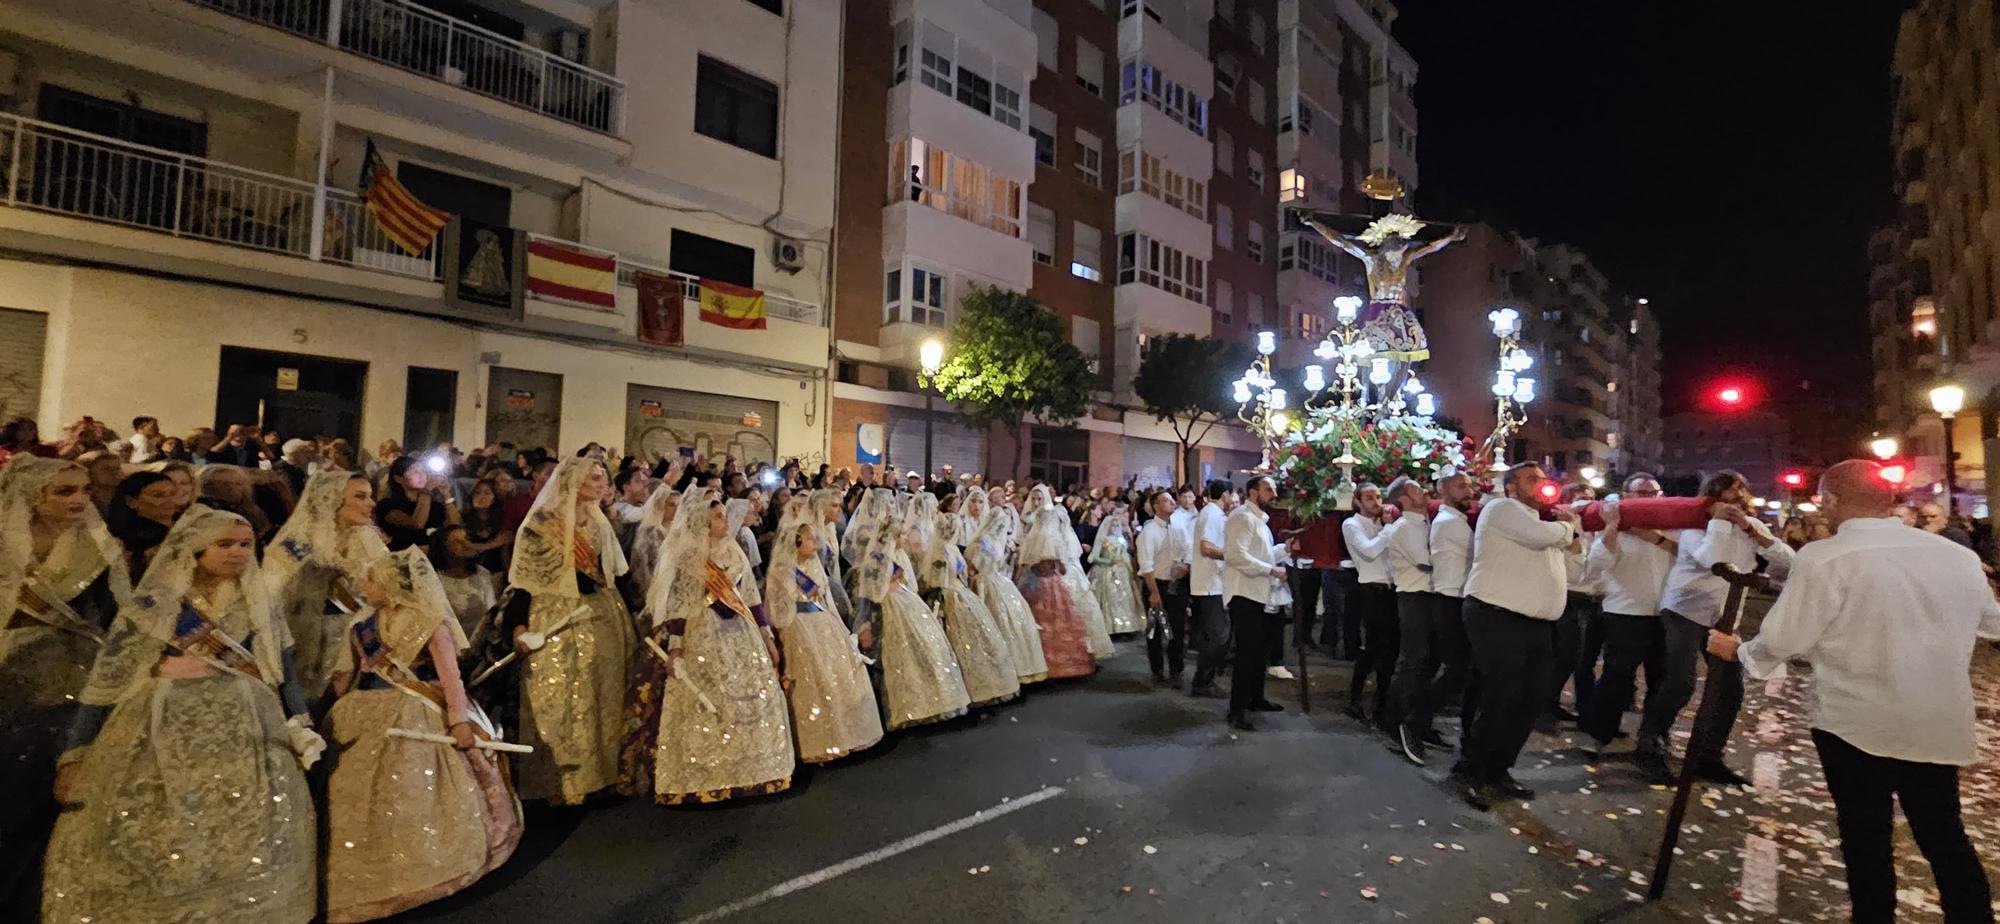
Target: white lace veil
{"points": [[875, 566], [1114, 528], [824, 501], [313, 535], [679, 578], [988, 549], [781, 585], [156, 607], [417, 605], [1049, 536], [21, 485], [971, 512], [544, 557]]}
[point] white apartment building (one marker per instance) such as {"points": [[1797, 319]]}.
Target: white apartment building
{"points": [[181, 233]]}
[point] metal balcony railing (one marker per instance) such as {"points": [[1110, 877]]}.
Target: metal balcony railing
{"points": [[452, 51], [50, 168], [776, 306]]}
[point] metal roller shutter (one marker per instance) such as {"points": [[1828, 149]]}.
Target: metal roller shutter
{"points": [[952, 443], [23, 336]]}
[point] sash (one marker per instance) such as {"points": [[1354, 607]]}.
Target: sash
{"points": [[54, 612], [341, 594], [722, 596], [587, 560], [196, 636], [375, 660]]}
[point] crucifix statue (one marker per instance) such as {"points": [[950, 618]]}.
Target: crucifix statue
{"points": [[1386, 248]]}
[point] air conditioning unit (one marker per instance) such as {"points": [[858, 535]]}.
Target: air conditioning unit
{"points": [[787, 254]]}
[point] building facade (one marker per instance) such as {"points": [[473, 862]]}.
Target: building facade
{"points": [[184, 235], [1754, 444]]}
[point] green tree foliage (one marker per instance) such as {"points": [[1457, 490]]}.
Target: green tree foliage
{"points": [[1185, 381], [1009, 361]]}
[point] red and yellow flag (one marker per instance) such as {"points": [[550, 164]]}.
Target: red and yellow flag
{"points": [[571, 275], [732, 305], [403, 217]]}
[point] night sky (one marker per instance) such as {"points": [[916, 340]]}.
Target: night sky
{"points": [[1725, 160]]}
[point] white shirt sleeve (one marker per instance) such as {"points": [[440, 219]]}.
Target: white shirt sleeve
{"points": [[1793, 625], [1715, 544], [1149, 548], [1517, 522], [1237, 554], [1359, 545]]}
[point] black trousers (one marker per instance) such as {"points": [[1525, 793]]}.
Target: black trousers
{"points": [[1862, 786], [1568, 642], [1515, 654], [1341, 628], [1375, 610], [1166, 634], [1684, 641], [1590, 623], [1417, 659], [1630, 643], [1274, 636], [1246, 682], [1211, 638], [1308, 586]]}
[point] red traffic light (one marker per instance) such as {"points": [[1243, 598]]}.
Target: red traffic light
{"points": [[1729, 394], [1895, 473], [1793, 478]]}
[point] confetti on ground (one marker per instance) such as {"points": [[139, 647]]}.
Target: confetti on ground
{"points": [[1150, 849], [1368, 892], [1081, 841], [1499, 898]]}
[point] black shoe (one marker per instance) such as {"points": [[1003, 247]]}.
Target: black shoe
{"points": [[1652, 765], [1478, 795], [1207, 692], [1433, 739], [1354, 712], [1265, 705], [1241, 722], [1509, 788], [1719, 773], [1411, 745], [1594, 752]]}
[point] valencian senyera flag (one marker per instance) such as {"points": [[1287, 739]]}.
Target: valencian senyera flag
{"points": [[732, 305], [402, 216], [571, 275]]}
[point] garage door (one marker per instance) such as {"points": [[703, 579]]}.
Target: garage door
{"points": [[23, 335], [952, 443], [1151, 460], [663, 421]]}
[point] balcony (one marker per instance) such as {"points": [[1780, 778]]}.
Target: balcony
{"points": [[433, 45]]}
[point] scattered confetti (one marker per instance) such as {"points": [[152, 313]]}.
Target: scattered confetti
{"points": [[1368, 892], [1081, 841], [1150, 849], [1499, 898]]}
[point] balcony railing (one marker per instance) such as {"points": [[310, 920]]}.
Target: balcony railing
{"points": [[776, 306], [50, 168], [459, 53]]}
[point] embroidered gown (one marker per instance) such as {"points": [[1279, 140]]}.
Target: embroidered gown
{"points": [[193, 807], [1010, 610], [833, 705], [984, 659], [920, 676], [1065, 642], [1114, 585], [408, 822]]}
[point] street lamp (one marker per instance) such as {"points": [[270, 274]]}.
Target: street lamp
{"points": [[1948, 400], [930, 356], [1884, 447]]}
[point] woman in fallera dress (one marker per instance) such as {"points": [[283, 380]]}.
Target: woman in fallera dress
{"points": [[408, 822], [984, 659], [1111, 577], [575, 637], [986, 557], [711, 723], [313, 568], [62, 578], [1096, 628], [647, 540], [1044, 547], [833, 706], [826, 515], [184, 775], [920, 677]]}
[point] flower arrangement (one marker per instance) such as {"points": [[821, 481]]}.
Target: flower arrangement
{"points": [[1308, 461]]}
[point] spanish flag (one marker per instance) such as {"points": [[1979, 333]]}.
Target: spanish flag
{"points": [[732, 305], [570, 275], [403, 217]]}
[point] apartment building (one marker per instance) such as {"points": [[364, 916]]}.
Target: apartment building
{"points": [[1754, 444], [1057, 148], [182, 234]]}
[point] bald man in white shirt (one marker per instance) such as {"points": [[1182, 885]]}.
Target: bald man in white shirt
{"points": [[1888, 617]]}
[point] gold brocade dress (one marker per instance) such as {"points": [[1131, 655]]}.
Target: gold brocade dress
{"points": [[407, 822], [573, 689], [193, 807], [985, 661], [724, 730], [1096, 633], [833, 706], [920, 677], [1116, 588], [1010, 610]]}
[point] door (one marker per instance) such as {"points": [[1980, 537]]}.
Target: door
{"points": [[1060, 457], [524, 407], [23, 335], [295, 394], [430, 408], [668, 421]]}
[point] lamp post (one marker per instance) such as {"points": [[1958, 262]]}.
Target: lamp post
{"points": [[1511, 389], [1948, 400], [1260, 402], [930, 356]]}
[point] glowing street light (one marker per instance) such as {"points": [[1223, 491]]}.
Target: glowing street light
{"points": [[1884, 447], [1948, 400], [930, 356]]}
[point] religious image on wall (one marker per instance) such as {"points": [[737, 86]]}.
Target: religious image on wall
{"points": [[483, 267]]}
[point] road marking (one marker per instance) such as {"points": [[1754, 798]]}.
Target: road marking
{"points": [[877, 855]]}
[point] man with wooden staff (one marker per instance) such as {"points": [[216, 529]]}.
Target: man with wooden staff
{"points": [[1887, 616]]}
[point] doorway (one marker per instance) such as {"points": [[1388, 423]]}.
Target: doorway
{"points": [[1060, 458], [295, 394], [430, 408], [524, 407]]}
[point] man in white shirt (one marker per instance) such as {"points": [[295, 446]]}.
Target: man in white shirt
{"points": [[1513, 595], [1251, 576], [1373, 605], [1691, 603], [145, 440], [1164, 558], [1451, 558], [1887, 616], [1579, 614], [1409, 559], [1210, 620], [1633, 570]]}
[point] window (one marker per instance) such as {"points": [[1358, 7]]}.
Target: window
{"points": [[1007, 100], [1141, 81], [734, 107], [1255, 312], [1253, 169], [1225, 152], [1141, 172], [707, 258], [927, 174], [1042, 233], [1225, 301], [1089, 157], [1086, 252], [975, 88], [923, 303], [939, 46], [1225, 75], [1310, 327], [902, 72], [1042, 128], [1254, 101], [1089, 67], [1611, 388], [1144, 260], [1253, 28], [1291, 184], [1253, 240], [1047, 39], [1225, 226]]}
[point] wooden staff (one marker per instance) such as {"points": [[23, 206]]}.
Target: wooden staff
{"points": [[1702, 744], [480, 743], [516, 653]]}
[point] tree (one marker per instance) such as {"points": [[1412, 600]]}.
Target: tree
{"points": [[1009, 361], [1185, 381]]}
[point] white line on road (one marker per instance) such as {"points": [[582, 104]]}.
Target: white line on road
{"points": [[877, 855]]}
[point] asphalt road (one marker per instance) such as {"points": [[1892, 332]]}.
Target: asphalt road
{"points": [[1143, 806]]}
